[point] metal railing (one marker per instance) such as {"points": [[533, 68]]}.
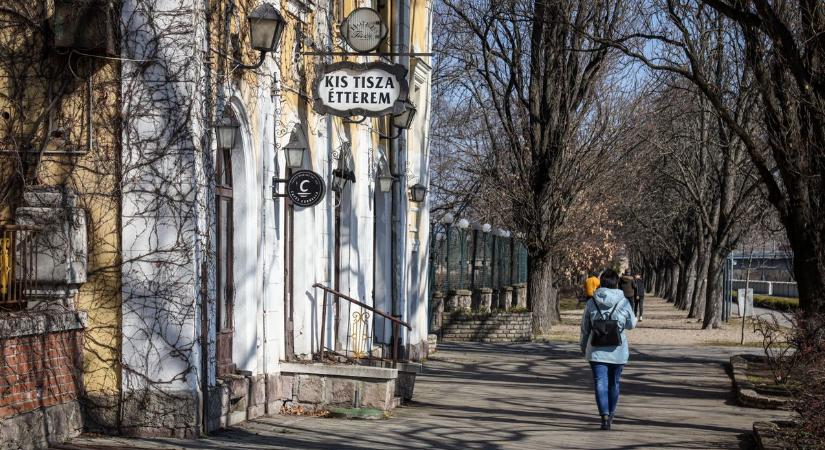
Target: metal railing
{"points": [[471, 258], [358, 343], [18, 265]]}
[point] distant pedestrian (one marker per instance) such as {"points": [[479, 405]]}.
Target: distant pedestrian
{"points": [[628, 286], [639, 304], [591, 284], [606, 317]]}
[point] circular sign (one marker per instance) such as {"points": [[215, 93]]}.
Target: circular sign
{"points": [[305, 188], [363, 30]]}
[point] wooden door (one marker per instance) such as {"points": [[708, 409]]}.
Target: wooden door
{"points": [[224, 267]]}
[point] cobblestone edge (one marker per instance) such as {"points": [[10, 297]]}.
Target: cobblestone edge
{"points": [[745, 390], [765, 435]]}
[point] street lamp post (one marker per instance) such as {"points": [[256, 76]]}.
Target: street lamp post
{"points": [[463, 224], [447, 220]]}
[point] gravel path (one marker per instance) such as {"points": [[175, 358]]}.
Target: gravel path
{"points": [[665, 325]]}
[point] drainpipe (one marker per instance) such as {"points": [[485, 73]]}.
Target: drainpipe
{"points": [[204, 288], [398, 164], [332, 222]]}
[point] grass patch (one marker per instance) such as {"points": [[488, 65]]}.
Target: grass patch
{"points": [[358, 413], [772, 302], [568, 304]]}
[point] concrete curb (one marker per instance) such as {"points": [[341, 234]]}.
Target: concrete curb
{"points": [[765, 435], [746, 392]]}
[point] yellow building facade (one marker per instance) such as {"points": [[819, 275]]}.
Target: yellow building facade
{"points": [[200, 276]]}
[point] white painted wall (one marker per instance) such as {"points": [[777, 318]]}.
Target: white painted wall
{"points": [[160, 189]]}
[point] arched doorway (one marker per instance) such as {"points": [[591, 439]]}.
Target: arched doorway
{"points": [[238, 274], [225, 242]]}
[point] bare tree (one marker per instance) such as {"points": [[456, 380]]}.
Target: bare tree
{"points": [[781, 47], [537, 84]]}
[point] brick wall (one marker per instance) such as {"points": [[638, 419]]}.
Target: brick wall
{"points": [[497, 327], [39, 371], [41, 366]]}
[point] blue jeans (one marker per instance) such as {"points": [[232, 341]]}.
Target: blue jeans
{"points": [[606, 377]]}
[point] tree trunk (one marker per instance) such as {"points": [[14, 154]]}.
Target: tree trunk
{"points": [[686, 282], [674, 282], [697, 302], [713, 299], [662, 285], [542, 297], [680, 286], [809, 267], [690, 279]]}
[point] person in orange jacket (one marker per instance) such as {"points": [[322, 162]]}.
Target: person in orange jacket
{"points": [[591, 284]]}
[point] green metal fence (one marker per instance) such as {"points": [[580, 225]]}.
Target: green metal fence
{"points": [[470, 258]]}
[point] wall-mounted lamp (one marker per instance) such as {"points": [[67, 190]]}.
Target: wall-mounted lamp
{"points": [[405, 119], [296, 147], [385, 182], [418, 192], [294, 157], [266, 25], [340, 178], [402, 121], [226, 130]]}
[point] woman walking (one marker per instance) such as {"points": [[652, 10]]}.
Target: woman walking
{"points": [[606, 316]]}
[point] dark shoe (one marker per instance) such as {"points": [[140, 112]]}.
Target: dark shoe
{"points": [[610, 420], [605, 422]]}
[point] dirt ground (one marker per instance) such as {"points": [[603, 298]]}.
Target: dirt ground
{"points": [[663, 324]]}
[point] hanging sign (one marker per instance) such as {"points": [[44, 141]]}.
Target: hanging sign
{"points": [[371, 89], [305, 188], [363, 30]]}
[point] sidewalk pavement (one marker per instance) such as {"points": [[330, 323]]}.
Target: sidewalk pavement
{"points": [[522, 396]]}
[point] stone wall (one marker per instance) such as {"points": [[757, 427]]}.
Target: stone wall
{"points": [[41, 366], [495, 327], [320, 386]]}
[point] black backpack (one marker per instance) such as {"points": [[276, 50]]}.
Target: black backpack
{"points": [[604, 329]]}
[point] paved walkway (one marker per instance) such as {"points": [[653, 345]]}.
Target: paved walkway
{"points": [[524, 396]]}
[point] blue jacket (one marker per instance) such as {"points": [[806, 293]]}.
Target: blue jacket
{"points": [[607, 299]]}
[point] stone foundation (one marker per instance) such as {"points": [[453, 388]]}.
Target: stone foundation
{"points": [[316, 386], [41, 364], [483, 300], [405, 384], [458, 300], [520, 295], [496, 327]]}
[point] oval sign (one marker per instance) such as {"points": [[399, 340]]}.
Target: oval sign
{"points": [[305, 188], [371, 89]]}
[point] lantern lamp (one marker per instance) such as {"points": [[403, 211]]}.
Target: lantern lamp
{"points": [[404, 120], [226, 131], [385, 182], [265, 28], [294, 157], [418, 192]]}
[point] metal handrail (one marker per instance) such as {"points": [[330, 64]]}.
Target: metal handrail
{"points": [[395, 322], [363, 305]]}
